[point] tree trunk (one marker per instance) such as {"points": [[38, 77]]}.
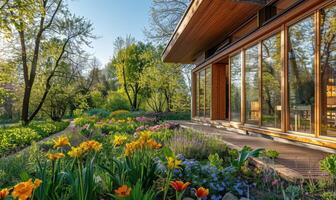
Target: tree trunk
{"points": [[25, 105]]}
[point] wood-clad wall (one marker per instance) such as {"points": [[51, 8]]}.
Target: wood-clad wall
{"points": [[218, 106]]}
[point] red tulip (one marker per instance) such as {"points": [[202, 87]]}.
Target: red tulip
{"points": [[179, 186]]}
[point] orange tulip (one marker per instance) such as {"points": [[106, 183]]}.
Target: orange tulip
{"points": [[4, 193], [201, 192], [179, 186], [123, 191]]}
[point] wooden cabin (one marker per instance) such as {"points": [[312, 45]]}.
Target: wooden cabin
{"points": [[262, 66]]}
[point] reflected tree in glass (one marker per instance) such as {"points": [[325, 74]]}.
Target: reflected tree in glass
{"points": [[252, 85], [202, 93], [235, 88], [328, 71], [301, 55], [271, 82], [208, 92]]}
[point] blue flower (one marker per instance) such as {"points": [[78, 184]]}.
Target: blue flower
{"points": [[216, 197]]}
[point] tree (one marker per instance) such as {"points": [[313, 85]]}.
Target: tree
{"points": [[47, 34], [130, 64], [164, 17], [162, 81]]}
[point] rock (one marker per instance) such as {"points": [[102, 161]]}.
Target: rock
{"points": [[188, 198], [230, 196], [244, 198]]}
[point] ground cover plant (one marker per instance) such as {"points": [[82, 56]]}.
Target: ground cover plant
{"points": [[16, 137]]}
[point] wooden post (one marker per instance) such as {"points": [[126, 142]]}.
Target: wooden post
{"points": [[219, 92]]}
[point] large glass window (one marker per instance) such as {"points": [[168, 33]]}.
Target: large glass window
{"points": [[271, 82], [203, 93], [197, 95], [301, 51], [235, 88], [328, 71], [252, 85], [208, 92]]}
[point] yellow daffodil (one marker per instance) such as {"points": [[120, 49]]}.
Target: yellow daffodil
{"points": [[61, 142], [173, 163], [75, 152], [55, 156], [4, 193], [24, 190], [119, 140]]}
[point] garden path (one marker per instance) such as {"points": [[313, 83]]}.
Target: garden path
{"points": [[294, 163]]}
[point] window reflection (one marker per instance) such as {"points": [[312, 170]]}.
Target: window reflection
{"points": [[235, 88], [301, 75], [197, 94], [328, 71], [252, 85], [202, 93], [271, 82], [208, 92]]}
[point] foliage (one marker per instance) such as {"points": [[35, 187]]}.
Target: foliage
{"points": [[244, 154], [328, 196], [328, 164], [116, 101], [17, 137], [130, 64], [216, 161], [101, 113], [217, 180], [272, 154], [291, 192]]}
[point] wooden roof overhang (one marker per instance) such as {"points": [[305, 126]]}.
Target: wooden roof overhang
{"points": [[205, 24]]}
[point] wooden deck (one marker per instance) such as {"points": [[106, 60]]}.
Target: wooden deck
{"points": [[294, 163]]}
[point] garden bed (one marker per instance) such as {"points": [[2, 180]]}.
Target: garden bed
{"points": [[148, 159], [16, 137]]}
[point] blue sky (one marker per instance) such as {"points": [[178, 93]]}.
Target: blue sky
{"points": [[113, 18]]}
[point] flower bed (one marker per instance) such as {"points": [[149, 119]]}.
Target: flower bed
{"points": [[156, 162], [17, 137]]}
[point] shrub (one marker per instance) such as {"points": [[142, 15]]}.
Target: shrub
{"points": [[174, 116], [84, 119], [328, 164], [101, 113], [116, 101], [119, 112]]}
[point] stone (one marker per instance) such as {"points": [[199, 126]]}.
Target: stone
{"points": [[244, 198], [188, 198], [230, 196]]}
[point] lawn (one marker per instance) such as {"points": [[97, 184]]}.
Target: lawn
{"points": [[130, 156]]}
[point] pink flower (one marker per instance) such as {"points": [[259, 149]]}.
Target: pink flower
{"points": [[275, 182]]}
